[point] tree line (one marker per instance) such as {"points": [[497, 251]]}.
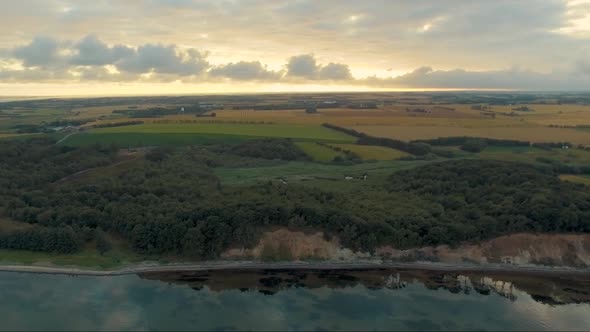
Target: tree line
{"points": [[418, 149]]}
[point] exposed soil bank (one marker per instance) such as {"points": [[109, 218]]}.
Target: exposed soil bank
{"points": [[568, 250]]}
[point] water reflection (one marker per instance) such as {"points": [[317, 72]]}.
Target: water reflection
{"points": [[294, 300], [546, 289]]}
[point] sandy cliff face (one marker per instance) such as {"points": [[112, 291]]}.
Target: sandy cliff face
{"points": [[519, 249], [283, 244]]}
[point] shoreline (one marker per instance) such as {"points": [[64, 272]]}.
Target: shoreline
{"points": [[253, 265]]}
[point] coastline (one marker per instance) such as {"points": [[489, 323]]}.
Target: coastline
{"points": [[253, 265]]}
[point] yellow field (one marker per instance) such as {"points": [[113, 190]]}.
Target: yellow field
{"points": [[532, 134], [576, 179], [369, 152], [396, 122]]}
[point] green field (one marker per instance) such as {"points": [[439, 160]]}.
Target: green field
{"points": [[150, 139], [369, 152], [155, 134], [13, 118], [88, 258], [313, 173], [318, 152]]}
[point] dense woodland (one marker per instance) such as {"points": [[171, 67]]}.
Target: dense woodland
{"points": [[283, 149], [170, 201]]}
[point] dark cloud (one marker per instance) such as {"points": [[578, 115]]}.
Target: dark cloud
{"points": [[164, 60], [335, 71], [244, 70], [93, 52], [303, 66], [41, 51]]}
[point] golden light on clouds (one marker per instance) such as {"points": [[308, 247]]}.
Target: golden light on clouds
{"points": [[334, 45]]}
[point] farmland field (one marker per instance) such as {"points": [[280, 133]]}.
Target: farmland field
{"points": [[150, 139], [368, 152], [532, 134], [583, 179], [318, 152], [151, 134]]}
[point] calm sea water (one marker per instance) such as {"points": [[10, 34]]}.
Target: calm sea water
{"points": [[386, 300]]}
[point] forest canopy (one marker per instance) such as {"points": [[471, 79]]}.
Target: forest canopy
{"points": [[172, 202]]}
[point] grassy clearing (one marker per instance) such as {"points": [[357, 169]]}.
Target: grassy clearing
{"points": [[86, 258], [369, 152], [583, 179], [7, 225], [318, 152], [313, 173]]}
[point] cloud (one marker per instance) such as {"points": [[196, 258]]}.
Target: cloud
{"points": [[302, 66], [335, 71], [369, 36], [514, 78], [244, 70], [164, 60], [41, 51], [47, 59], [94, 52], [305, 66]]}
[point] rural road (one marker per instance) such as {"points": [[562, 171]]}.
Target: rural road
{"points": [[249, 265], [66, 137]]}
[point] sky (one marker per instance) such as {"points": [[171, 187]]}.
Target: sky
{"points": [[111, 47]]}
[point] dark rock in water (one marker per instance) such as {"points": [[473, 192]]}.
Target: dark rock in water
{"points": [[455, 290], [545, 299], [271, 281], [193, 279], [345, 277], [483, 290], [266, 292], [244, 289]]}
